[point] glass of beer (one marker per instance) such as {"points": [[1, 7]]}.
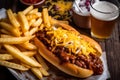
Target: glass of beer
{"points": [[103, 16]]}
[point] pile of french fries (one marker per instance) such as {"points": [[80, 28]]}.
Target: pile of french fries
{"points": [[17, 49]]}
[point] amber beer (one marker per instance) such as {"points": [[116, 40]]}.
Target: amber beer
{"points": [[103, 18]]}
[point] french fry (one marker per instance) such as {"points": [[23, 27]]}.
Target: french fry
{"points": [[41, 26], [65, 22], [27, 66], [44, 72], [29, 53], [13, 65], [33, 31], [31, 16], [33, 11], [6, 57], [5, 31], [24, 22], [32, 21], [20, 48], [38, 22], [17, 49], [52, 21], [46, 17], [6, 36], [26, 34], [28, 9], [20, 56], [12, 18], [28, 46], [39, 14], [41, 61], [37, 72], [15, 40], [10, 28]]}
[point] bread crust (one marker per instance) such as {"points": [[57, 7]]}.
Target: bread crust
{"points": [[68, 68]]}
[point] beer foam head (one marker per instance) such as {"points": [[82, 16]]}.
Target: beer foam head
{"points": [[104, 11]]}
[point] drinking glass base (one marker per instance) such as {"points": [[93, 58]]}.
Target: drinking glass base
{"points": [[96, 37]]}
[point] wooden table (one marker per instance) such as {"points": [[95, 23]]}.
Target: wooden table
{"points": [[110, 46]]}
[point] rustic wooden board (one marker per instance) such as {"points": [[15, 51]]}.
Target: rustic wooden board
{"points": [[111, 46]]}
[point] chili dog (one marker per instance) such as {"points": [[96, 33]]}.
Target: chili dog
{"points": [[69, 51]]}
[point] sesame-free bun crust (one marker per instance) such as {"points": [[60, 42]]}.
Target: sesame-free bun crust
{"points": [[68, 68]]}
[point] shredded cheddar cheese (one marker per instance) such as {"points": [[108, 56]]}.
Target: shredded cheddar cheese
{"points": [[73, 42]]}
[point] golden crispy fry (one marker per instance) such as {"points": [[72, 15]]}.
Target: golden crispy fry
{"points": [[39, 14], [31, 22], [6, 36], [29, 53], [24, 22], [44, 72], [52, 21], [10, 28], [20, 56], [31, 16], [5, 31], [6, 57], [12, 18], [16, 36], [65, 22], [38, 22], [33, 30], [26, 34], [33, 11], [37, 72], [41, 61], [27, 66], [28, 9], [15, 40], [20, 48], [46, 17], [13, 65], [41, 26], [28, 46]]}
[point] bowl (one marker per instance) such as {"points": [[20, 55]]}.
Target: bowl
{"points": [[80, 18], [35, 4]]}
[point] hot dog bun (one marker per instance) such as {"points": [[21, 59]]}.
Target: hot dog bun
{"points": [[68, 68]]}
